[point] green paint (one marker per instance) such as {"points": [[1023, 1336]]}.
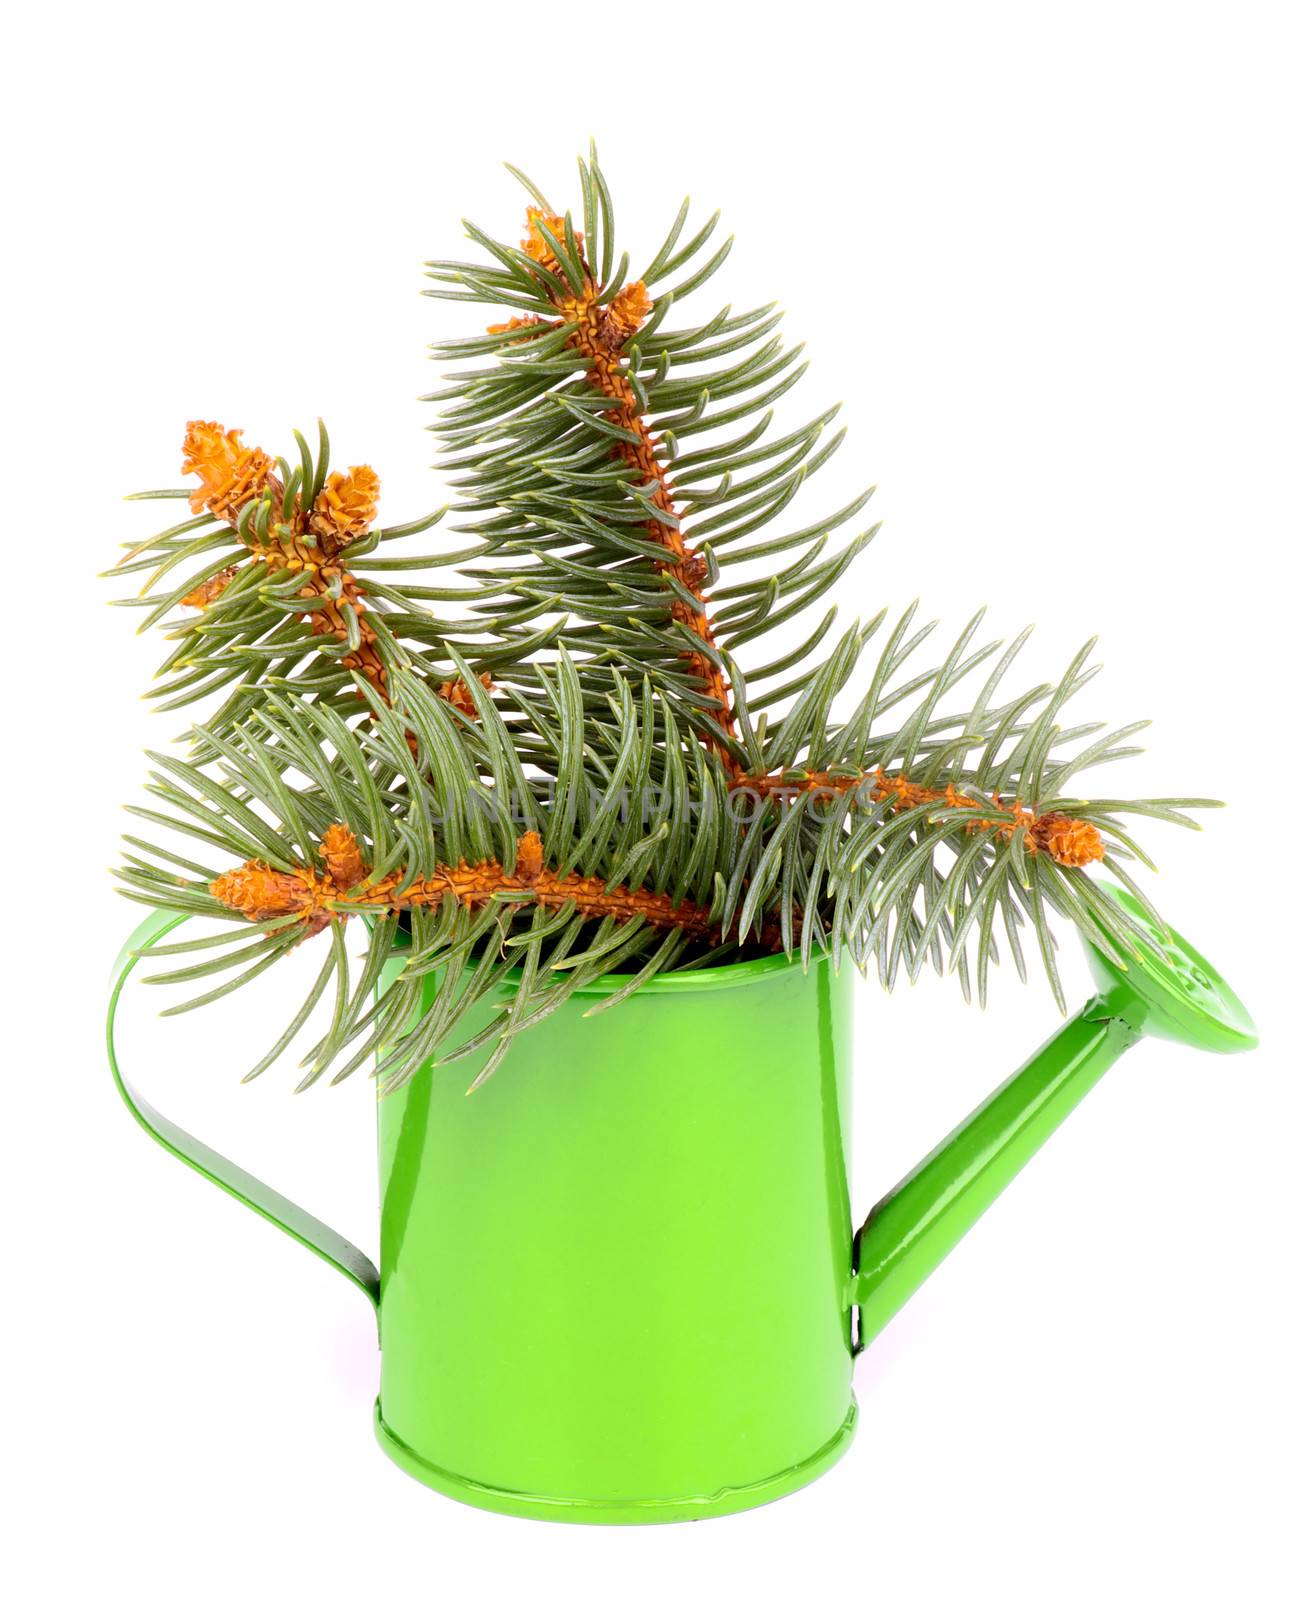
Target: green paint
{"points": [[619, 1282]]}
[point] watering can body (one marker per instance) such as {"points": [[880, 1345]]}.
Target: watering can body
{"points": [[619, 1282], [615, 1279]]}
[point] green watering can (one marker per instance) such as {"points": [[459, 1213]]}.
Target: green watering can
{"points": [[621, 1283]]}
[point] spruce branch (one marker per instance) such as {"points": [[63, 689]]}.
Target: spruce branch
{"points": [[598, 332], [344, 887], [563, 764], [303, 602], [1068, 839]]}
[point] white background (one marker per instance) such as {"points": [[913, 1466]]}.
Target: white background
{"points": [[1046, 255]]}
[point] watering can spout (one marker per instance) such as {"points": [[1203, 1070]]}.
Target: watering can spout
{"points": [[1166, 990]]}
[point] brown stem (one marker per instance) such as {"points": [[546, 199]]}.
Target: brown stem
{"points": [[1069, 840], [316, 897], [598, 332]]}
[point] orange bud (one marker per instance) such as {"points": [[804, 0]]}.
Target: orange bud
{"points": [[625, 315], [531, 858], [262, 893], [342, 857], [345, 507], [455, 692], [523, 323], [537, 246], [231, 473], [1069, 840], [215, 586]]}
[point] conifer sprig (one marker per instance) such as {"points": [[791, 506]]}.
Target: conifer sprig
{"points": [[276, 581], [574, 759]]}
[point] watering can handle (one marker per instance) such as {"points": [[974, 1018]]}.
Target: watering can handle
{"points": [[259, 1197]]}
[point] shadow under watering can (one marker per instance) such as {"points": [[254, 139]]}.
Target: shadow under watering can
{"points": [[621, 1284]]}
